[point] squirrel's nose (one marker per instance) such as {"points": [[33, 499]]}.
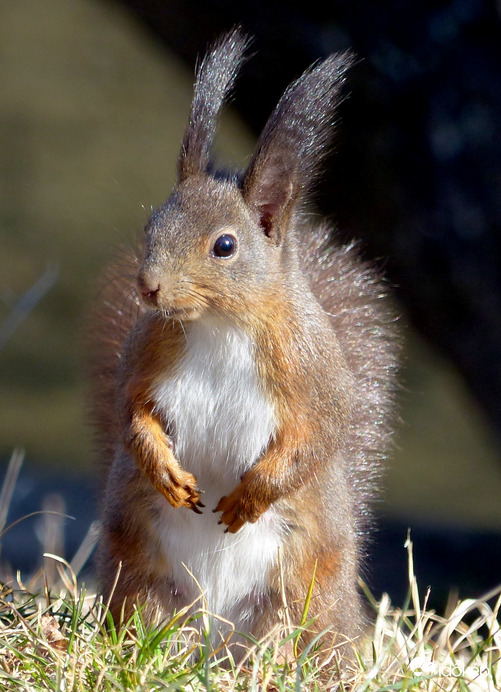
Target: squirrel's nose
{"points": [[148, 288]]}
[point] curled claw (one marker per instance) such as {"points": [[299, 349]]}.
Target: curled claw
{"points": [[239, 507], [181, 490], [193, 501], [194, 504], [232, 514]]}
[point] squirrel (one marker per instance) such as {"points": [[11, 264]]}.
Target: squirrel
{"points": [[244, 382]]}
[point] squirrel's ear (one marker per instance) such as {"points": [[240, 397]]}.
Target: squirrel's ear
{"points": [[214, 79], [293, 143]]}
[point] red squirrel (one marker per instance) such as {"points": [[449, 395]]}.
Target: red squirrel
{"points": [[243, 393]]}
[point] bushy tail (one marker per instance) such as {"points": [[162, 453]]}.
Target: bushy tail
{"points": [[354, 295], [109, 324]]}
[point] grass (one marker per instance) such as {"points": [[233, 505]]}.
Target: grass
{"points": [[56, 636], [66, 641]]}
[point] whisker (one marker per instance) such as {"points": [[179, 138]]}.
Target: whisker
{"points": [[184, 332]]}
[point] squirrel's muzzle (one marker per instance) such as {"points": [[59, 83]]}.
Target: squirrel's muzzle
{"points": [[148, 288]]}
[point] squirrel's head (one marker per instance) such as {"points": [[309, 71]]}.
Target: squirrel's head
{"points": [[227, 244], [204, 250]]}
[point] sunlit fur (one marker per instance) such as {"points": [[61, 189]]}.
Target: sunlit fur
{"points": [[244, 406]]}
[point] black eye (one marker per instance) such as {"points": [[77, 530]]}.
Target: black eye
{"points": [[225, 246]]}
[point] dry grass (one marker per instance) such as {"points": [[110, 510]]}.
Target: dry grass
{"points": [[63, 639]]}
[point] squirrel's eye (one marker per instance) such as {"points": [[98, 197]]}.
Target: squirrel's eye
{"points": [[225, 246]]}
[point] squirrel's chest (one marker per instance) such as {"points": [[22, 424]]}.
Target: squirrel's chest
{"points": [[221, 422], [218, 414]]}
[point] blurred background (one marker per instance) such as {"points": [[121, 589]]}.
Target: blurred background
{"points": [[94, 97]]}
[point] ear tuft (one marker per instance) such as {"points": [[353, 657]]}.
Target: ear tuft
{"points": [[214, 80], [293, 144]]}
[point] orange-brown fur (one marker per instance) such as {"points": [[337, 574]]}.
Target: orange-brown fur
{"points": [[323, 355], [145, 435]]}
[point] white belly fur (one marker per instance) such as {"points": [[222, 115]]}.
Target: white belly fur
{"points": [[221, 424]]}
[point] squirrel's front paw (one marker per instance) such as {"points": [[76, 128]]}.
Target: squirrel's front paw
{"points": [[181, 490], [240, 507]]}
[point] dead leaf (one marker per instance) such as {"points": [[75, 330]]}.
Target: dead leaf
{"points": [[52, 633]]}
